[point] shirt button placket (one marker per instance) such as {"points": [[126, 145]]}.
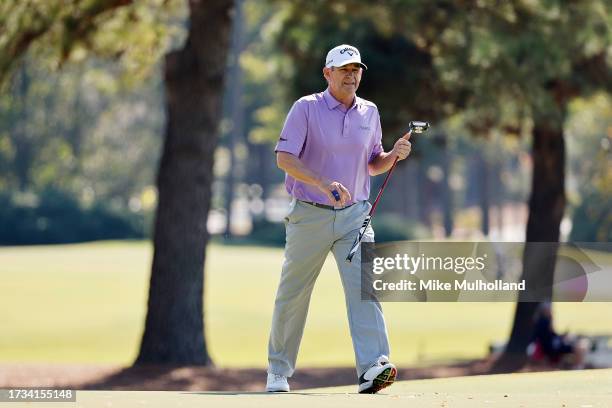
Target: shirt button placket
{"points": [[346, 125]]}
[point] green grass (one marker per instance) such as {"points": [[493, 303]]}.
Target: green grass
{"points": [[86, 304], [590, 388]]}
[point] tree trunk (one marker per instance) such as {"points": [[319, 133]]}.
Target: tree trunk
{"points": [[174, 328], [546, 207]]}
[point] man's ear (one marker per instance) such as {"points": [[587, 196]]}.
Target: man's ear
{"points": [[326, 72]]}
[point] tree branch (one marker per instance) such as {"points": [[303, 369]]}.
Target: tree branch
{"points": [[78, 22]]}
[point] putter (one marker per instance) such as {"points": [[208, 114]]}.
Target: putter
{"points": [[414, 126]]}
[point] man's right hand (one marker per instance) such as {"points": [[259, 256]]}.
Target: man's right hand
{"points": [[328, 187]]}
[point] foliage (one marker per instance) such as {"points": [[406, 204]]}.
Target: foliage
{"points": [[267, 233], [591, 179], [264, 67], [136, 34], [390, 227], [83, 129], [592, 220], [55, 217], [77, 131], [501, 64]]}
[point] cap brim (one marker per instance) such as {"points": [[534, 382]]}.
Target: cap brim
{"points": [[364, 66]]}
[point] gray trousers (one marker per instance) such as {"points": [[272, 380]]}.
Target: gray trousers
{"points": [[311, 233]]}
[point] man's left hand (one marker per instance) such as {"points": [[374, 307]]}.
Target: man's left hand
{"points": [[402, 148]]}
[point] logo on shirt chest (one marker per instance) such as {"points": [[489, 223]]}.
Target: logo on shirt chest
{"points": [[364, 127]]}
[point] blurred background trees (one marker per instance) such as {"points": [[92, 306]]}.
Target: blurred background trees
{"points": [[518, 92], [463, 68], [193, 84], [81, 108]]}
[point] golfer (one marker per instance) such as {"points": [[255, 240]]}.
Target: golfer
{"points": [[329, 147]]}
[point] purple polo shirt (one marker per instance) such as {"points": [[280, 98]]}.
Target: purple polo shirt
{"points": [[332, 141]]}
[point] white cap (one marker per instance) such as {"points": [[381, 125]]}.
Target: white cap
{"points": [[342, 55]]}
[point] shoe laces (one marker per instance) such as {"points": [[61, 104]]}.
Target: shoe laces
{"points": [[278, 377]]}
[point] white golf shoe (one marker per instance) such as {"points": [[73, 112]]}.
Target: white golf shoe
{"points": [[381, 375], [277, 383]]}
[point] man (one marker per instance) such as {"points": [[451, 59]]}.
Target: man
{"points": [[329, 146]]}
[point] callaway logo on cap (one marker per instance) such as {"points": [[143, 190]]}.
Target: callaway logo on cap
{"points": [[342, 55]]}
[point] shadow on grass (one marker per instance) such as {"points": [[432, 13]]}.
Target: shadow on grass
{"points": [[275, 394], [252, 380], [222, 380]]}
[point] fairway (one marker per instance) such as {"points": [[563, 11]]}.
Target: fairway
{"points": [[588, 389], [86, 303]]}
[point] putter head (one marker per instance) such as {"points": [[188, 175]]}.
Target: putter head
{"points": [[418, 126]]}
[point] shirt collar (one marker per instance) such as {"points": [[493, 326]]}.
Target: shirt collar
{"points": [[332, 102]]}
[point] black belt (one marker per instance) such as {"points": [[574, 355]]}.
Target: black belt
{"points": [[327, 207]]}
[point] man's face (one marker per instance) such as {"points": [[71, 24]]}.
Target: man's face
{"points": [[343, 80]]}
